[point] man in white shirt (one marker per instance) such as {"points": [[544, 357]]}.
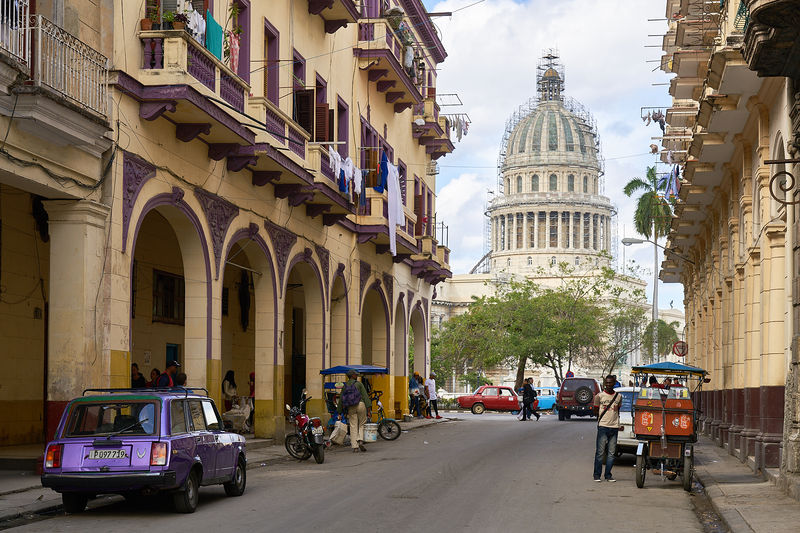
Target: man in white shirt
{"points": [[430, 386]]}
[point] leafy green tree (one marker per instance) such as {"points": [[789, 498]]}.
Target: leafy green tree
{"points": [[667, 336], [653, 213]]}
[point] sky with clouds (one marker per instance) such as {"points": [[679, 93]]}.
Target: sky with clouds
{"points": [[493, 50]]}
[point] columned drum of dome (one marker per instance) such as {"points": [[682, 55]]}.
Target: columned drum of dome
{"points": [[551, 207]]}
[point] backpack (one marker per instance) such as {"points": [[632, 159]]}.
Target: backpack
{"points": [[350, 395]]}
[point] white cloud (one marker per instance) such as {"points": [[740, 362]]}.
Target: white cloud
{"points": [[494, 48]]}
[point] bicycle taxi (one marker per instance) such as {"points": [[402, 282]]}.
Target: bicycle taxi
{"points": [[335, 377], [665, 421]]}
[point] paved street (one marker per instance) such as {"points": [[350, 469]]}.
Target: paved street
{"points": [[478, 473]]}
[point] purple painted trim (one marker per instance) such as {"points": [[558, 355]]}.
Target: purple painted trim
{"points": [[422, 23], [284, 161], [136, 90], [402, 307], [272, 61], [282, 242], [244, 49], [248, 233], [386, 313], [325, 265], [365, 269], [135, 172], [202, 68], [424, 327], [231, 92], [388, 56], [306, 257], [219, 214], [388, 283], [340, 274], [176, 199]]}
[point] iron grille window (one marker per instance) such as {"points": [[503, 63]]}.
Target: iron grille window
{"points": [[168, 297]]}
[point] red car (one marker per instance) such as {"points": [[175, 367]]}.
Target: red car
{"points": [[491, 397]]}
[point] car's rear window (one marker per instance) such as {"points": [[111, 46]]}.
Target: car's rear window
{"points": [[106, 418], [574, 384]]}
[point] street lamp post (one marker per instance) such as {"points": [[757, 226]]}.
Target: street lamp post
{"points": [[632, 240]]}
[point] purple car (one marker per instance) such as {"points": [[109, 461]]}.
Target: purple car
{"points": [[142, 441]]}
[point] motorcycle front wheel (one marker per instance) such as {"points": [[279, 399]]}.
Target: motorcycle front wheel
{"points": [[294, 445], [319, 454]]}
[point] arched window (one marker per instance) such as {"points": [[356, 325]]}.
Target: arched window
{"points": [[553, 261], [553, 182], [586, 184], [508, 263], [519, 183], [535, 183], [530, 260], [595, 190], [507, 186], [577, 260], [571, 183]]}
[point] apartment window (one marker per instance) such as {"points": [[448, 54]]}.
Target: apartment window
{"points": [[242, 22], [571, 183], [168, 297], [535, 183], [342, 127], [323, 123], [553, 182], [271, 62], [303, 108]]}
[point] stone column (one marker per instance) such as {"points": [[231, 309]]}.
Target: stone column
{"points": [[76, 358], [752, 364]]}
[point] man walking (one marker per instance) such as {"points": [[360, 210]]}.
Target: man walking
{"points": [[606, 409], [430, 386], [528, 398], [354, 400]]}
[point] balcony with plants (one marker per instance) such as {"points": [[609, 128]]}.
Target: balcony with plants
{"points": [[189, 61], [388, 52]]}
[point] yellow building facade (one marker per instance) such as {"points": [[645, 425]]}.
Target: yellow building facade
{"points": [[190, 209], [733, 128]]}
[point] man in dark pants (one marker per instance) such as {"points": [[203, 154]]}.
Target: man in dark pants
{"points": [[528, 397], [606, 409]]}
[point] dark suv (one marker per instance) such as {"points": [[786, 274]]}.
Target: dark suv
{"points": [[576, 397]]}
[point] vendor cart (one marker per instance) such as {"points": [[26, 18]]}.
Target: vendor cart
{"points": [[665, 421]]}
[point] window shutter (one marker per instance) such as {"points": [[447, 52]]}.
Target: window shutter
{"points": [[431, 92], [330, 126], [323, 126], [304, 109]]}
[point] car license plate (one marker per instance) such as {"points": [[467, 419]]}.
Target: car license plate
{"points": [[107, 454], [317, 431]]}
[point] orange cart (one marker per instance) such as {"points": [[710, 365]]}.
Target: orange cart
{"points": [[665, 421]]}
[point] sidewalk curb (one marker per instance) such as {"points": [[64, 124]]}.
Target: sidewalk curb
{"points": [[734, 521], [32, 508]]}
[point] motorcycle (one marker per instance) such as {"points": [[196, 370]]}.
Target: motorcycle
{"points": [[309, 434]]}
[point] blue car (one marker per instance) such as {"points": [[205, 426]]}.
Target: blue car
{"points": [[546, 397]]}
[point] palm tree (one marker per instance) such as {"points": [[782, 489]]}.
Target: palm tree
{"points": [[653, 212], [652, 216]]}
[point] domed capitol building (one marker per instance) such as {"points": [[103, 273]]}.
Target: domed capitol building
{"points": [[550, 208]]}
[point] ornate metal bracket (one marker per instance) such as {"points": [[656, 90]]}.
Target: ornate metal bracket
{"points": [[784, 185]]}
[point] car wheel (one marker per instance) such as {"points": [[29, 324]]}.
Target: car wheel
{"points": [[74, 502], [237, 485], [186, 499], [584, 395], [478, 409], [568, 416]]}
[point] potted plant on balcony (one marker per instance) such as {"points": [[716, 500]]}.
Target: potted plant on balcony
{"points": [[150, 22], [167, 20], [180, 21]]}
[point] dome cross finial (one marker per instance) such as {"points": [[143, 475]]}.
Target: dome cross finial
{"points": [[550, 76]]}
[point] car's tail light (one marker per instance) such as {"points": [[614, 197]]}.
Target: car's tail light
{"points": [[53, 457], [316, 422], [158, 454]]}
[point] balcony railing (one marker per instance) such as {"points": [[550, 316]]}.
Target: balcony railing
{"points": [[14, 36], [70, 67], [194, 58]]}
